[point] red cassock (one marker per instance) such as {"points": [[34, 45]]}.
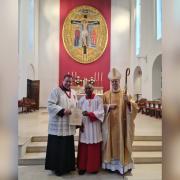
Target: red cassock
{"points": [[89, 157], [89, 154], [89, 148]]}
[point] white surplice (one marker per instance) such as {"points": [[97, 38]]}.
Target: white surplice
{"points": [[57, 101], [92, 130]]}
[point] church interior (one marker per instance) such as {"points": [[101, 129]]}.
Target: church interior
{"points": [[134, 41], [124, 34]]}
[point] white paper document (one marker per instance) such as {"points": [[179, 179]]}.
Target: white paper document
{"points": [[76, 117]]}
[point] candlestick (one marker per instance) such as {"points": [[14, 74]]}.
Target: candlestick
{"points": [[101, 78], [98, 79]]}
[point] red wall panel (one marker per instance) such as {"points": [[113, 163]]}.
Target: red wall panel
{"points": [[66, 63]]}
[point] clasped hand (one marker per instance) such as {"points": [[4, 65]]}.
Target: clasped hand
{"points": [[85, 113], [67, 112]]}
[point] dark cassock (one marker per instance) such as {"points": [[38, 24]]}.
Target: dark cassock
{"points": [[60, 154]]}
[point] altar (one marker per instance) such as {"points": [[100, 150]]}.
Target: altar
{"points": [[98, 90], [79, 83]]}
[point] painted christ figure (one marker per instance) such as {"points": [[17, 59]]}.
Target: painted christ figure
{"points": [[85, 33]]}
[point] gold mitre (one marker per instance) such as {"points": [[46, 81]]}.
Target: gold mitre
{"points": [[114, 74]]}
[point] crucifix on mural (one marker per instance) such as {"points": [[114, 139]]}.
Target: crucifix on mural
{"points": [[85, 26]]}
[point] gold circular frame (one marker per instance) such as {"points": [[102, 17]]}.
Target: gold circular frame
{"points": [[85, 34]]}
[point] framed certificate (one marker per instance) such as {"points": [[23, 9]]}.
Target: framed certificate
{"points": [[76, 117]]}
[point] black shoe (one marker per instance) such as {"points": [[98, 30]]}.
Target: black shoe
{"points": [[95, 172], [129, 172], [109, 171], [81, 172], [126, 173], [57, 173]]}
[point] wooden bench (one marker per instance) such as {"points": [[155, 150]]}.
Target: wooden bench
{"points": [[27, 104], [158, 110], [153, 109], [142, 105], [20, 104]]}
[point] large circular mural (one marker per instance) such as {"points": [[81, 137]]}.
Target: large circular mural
{"points": [[85, 34]]}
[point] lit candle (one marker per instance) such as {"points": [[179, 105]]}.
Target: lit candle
{"points": [[83, 82], [68, 72], [72, 74], [75, 74], [101, 78], [95, 76]]}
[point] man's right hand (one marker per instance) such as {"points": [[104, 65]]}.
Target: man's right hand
{"points": [[67, 112]]}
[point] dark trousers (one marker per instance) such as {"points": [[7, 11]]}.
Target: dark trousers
{"points": [[60, 154]]}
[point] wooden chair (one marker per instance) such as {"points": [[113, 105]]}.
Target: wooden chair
{"points": [[26, 104], [20, 104], [158, 111], [152, 108], [29, 104], [33, 104], [142, 105], [148, 106]]}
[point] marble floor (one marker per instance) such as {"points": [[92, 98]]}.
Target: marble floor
{"points": [[141, 172], [36, 124]]}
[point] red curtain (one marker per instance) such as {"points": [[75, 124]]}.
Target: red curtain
{"points": [[66, 63]]}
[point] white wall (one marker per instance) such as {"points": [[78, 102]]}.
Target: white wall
{"points": [[120, 36], [28, 54], [138, 81], [150, 47], [157, 78], [48, 48], [31, 72], [8, 88]]}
